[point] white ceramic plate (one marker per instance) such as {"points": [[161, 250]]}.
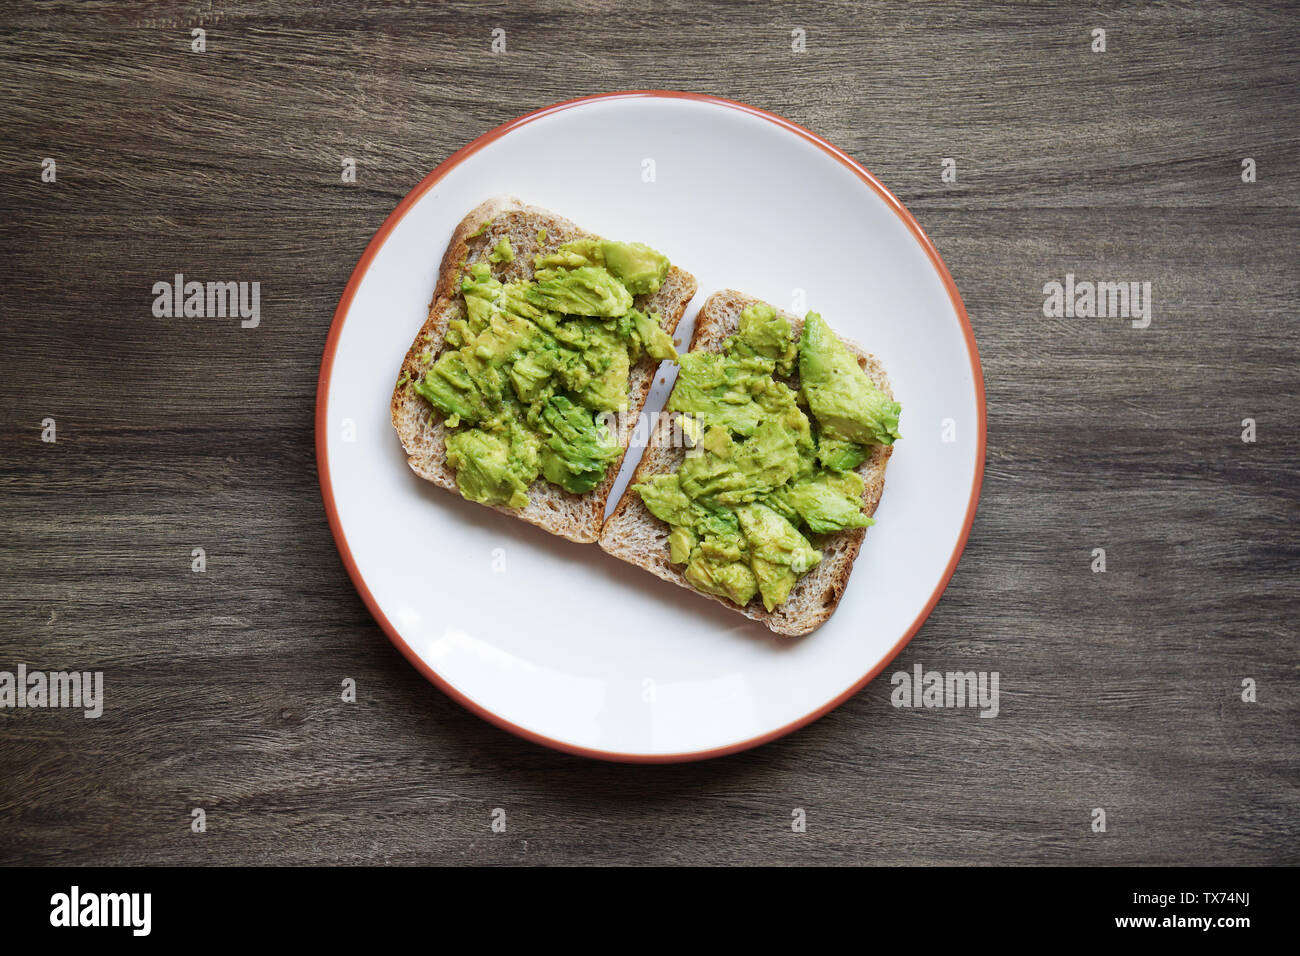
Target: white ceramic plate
{"points": [[557, 641]]}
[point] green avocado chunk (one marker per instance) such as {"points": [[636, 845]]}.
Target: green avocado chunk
{"points": [[779, 554], [729, 579], [470, 381], [586, 290], [737, 392], [458, 385], [681, 541], [528, 367], [744, 499], [648, 337], [664, 497], [839, 455], [494, 467], [828, 501], [764, 331], [576, 451], [844, 401], [641, 269], [571, 255], [637, 266], [727, 473]]}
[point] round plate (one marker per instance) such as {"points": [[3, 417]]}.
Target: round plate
{"points": [[559, 642]]}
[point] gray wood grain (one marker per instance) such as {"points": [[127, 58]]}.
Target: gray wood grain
{"points": [[1119, 690]]}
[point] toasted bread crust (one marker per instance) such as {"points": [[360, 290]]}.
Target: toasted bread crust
{"points": [[421, 428], [635, 535]]}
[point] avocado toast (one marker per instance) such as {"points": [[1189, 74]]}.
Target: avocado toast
{"points": [[522, 388], [792, 440]]}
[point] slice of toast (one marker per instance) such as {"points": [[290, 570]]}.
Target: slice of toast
{"points": [[420, 426], [635, 535]]}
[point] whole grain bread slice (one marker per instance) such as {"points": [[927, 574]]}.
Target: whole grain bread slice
{"points": [[420, 426], [635, 535]]}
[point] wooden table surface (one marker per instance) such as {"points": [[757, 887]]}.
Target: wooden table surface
{"points": [[1119, 690]]}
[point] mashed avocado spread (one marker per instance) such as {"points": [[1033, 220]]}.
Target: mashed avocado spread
{"points": [[527, 372], [770, 464]]}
